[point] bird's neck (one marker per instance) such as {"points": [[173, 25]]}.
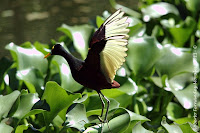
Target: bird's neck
{"points": [[74, 63]]}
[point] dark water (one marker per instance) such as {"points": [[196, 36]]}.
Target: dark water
{"points": [[37, 20]]}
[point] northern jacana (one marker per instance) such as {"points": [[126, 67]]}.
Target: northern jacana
{"points": [[107, 52]]}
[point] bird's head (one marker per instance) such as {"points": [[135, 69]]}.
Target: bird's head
{"points": [[56, 50]]}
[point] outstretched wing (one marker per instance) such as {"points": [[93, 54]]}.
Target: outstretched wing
{"points": [[108, 45]]}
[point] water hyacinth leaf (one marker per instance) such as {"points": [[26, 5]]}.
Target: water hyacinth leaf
{"points": [[117, 124], [99, 21], [187, 127], [138, 128], [82, 99], [181, 80], [67, 81], [57, 98], [135, 118], [159, 9], [172, 110], [21, 128], [193, 5], [80, 36], [42, 47], [186, 96], [33, 79], [127, 85], [157, 81], [143, 53], [125, 9], [184, 120], [137, 28], [26, 103], [28, 58], [123, 121], [7, 102], [34, 112], [174, 59], [170, 128], [182, 32], [4, 128], [58, 121], [76, 116]]}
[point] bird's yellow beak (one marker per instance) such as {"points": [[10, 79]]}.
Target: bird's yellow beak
{"points": [[49, 54]]}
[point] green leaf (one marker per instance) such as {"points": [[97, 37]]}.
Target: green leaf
{"points": [[159, 9], [33, 112], [157, 81], [127, 85], [28, 58], [67, 81], [184, 120], [143, 53], [123, 121], [172, 110], [76, 116], [135, 118], [182, 32], [137, 28], [57, 98], [181, 80], [21, 128], [26, 103], [140, 129], [125, 9], [99, 21], [4, 128], [186, 128], [118, 124], [80, 36], [184, 96], [7, 102], [173, 62], [170, 128], [42, 47], [193, 5], [82, 99], [33, 79]]}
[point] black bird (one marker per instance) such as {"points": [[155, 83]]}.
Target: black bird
{"points": [[107, 52]]}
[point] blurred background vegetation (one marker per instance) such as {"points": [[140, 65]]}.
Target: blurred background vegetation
{"points": [[22, 20], [159, 80]]}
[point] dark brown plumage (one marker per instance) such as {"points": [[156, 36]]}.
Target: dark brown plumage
{"points": [[107, 50]]}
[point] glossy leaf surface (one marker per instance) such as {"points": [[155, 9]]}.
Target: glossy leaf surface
{"points": [[57, 98]]}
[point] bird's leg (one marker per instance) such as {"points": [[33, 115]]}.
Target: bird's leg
{"points": [[103, 105], [108, 101], [105, 119]]}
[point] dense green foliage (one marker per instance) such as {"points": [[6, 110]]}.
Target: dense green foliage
{"points": [[158, 79]]}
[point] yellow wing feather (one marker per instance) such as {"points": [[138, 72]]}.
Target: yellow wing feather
{"points": [[114, 53]]}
